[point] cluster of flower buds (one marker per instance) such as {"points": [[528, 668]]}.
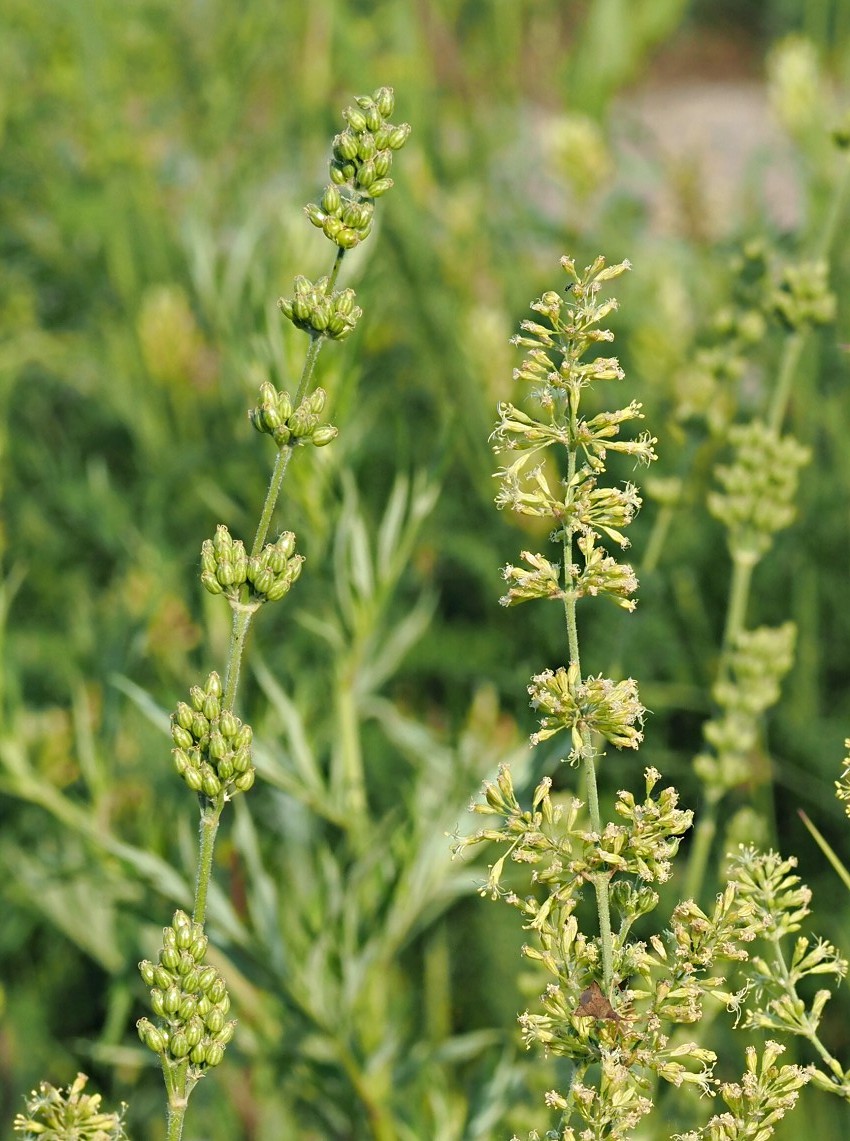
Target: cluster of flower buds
{"points": [[595, 705], [212, 746], [802, 296], [600, 575], [54, 1115], [318, 312], [758, 660], [226, 567], [275, 416], [758, 489], [359, 169], [190, 999]]}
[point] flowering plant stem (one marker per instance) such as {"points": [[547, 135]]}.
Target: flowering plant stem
{"points": [[600, 881], [213, 747], [805, 301]]}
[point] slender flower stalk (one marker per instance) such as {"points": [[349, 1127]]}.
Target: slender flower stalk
{"points": [[612, 1002], [212, 745]]}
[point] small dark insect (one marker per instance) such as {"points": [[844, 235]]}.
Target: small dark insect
{"points": [[592, 1003]]}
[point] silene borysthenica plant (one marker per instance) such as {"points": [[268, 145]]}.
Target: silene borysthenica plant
{"points": [[615, 1006], [191, 1024]]}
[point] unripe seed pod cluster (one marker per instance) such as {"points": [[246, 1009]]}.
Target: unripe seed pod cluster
{"points": [[189, 998], [359, 169], [212, 748], [319, 313], [226, 566], [275, 416]]}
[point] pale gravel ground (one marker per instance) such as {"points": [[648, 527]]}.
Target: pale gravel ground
{"points": [[722, 139]]}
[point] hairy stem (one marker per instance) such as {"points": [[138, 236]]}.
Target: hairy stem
{"points": [[210, 816]]}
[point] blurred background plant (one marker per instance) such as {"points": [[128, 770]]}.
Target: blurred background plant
{"points": [[153, 164]]}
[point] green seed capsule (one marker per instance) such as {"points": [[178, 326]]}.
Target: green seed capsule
{"points": [[208, 560], [169, 958], [331, 201], [263, 581], [217, 991], [187, 1007], [152, 1037], [193, 779], [366, 147], [347, 239], [384, 99], [181, 737], [215, 1053], [323, 435], [215, 1020], [300, 305], [244, 737], [275, 560], [245, 780], [158, 1002], [164, 976], [240, 564], [218, 746], [332, 227], [355, 119], [198, 948], [185, 964], [337, 173], [171, 999], [210, 784], [181, 760], [315, 214], [146, 970], [345, 146], [380, 186], [194, 1031], [399, 136], [206, 977], [212, 707], [183, 715], [242, 761], [226, 1033], [211, 584], [228, 723], [183, 936], [200, 727], [179, 1045], [345, 301], [366, 174]]}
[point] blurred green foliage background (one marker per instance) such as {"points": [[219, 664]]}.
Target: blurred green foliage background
{"points": [[154, 159]]}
